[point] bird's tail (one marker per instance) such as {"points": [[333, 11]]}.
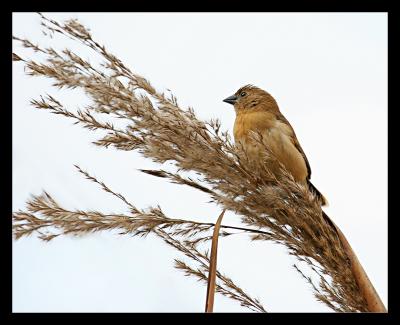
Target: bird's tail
{"points": [[318, 194], [324, 202], [329, 221]]}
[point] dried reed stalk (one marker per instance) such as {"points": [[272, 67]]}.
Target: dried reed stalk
{"points": [[367, 289], [281, 209], [212, 270]]}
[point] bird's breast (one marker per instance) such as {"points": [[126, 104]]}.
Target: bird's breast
{"points": [[252, 121], [277, 136]]}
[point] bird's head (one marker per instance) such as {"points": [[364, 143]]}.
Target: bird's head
{"points": [[250, 97]]}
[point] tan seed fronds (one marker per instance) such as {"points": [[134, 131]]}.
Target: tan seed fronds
{"points": [[281, 210], [47, 218]]}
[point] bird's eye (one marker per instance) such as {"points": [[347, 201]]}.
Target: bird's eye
{"points": [[243, 94]]}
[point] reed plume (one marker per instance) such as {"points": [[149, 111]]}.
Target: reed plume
{"points": [[278, 210]]}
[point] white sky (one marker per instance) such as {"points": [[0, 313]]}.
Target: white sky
{"points": [[328, 73]]}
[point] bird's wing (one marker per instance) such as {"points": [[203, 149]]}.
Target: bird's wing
{"points": [[320, 196], [296, 143]]}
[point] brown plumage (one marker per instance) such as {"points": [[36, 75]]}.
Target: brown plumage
{"points": [[257, 111]]}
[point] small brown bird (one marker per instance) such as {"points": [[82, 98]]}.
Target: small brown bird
{"points": [[256, 110]]}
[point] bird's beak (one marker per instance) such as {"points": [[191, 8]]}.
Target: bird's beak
{"points": [[230, 100]]}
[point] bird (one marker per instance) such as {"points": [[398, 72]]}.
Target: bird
{"points": [[257, 111]]}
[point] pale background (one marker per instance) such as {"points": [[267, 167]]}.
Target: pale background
{"points": [[328, 72]]}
